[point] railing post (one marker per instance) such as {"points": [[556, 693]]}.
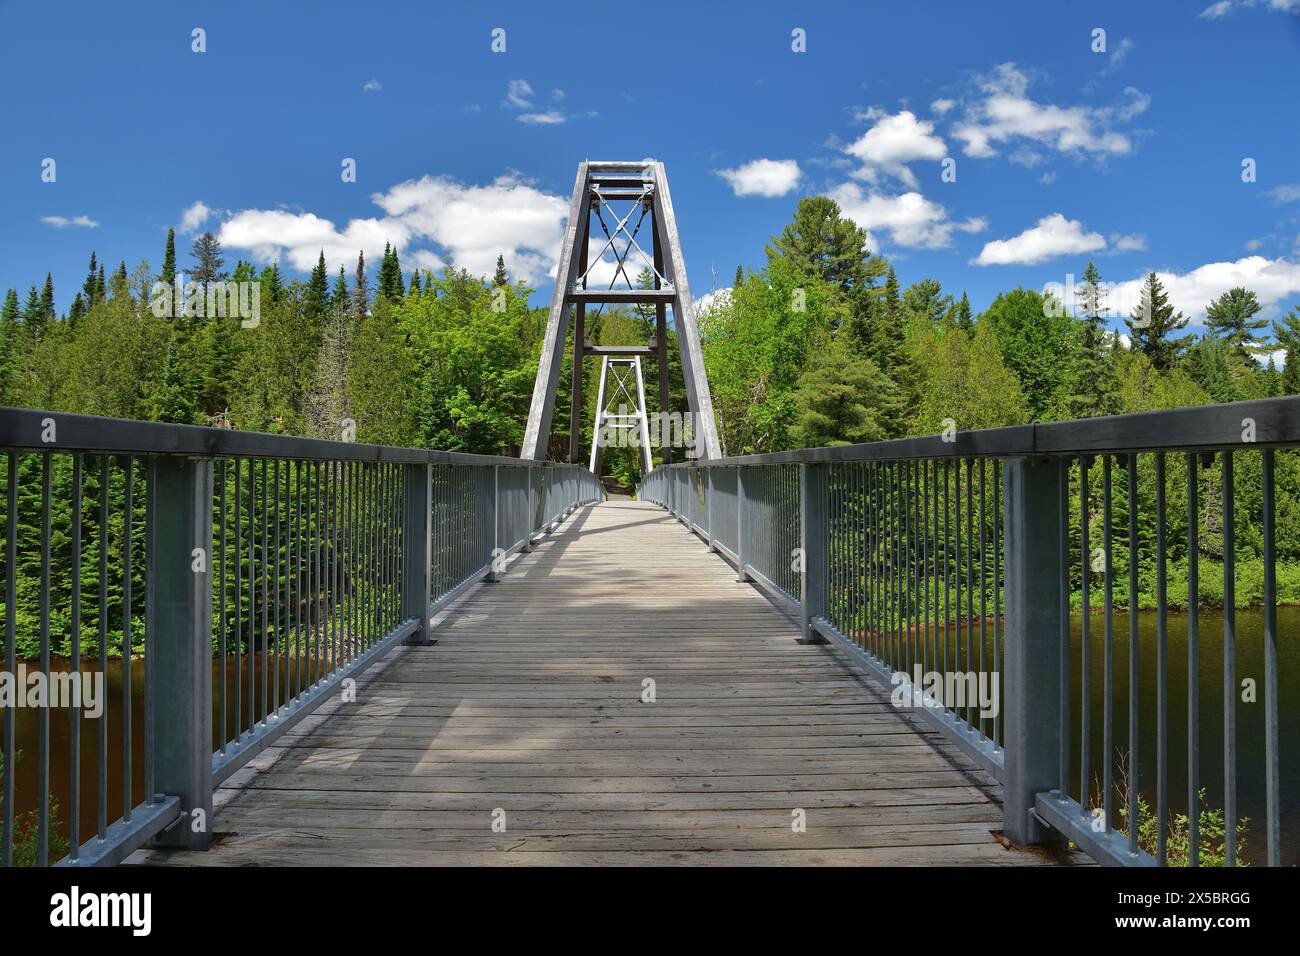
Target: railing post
{"points": [[532, 513], [812, 548], [417, 550], [708, 506], [494, 575], [742, 529], [1032, 740], [180, 582]]}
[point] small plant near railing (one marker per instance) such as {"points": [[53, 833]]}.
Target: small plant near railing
{"points": [[1210, 828], [26, 833]]}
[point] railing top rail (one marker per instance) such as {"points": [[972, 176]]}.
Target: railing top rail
{"points": [[24, 428], [1273, 421]]}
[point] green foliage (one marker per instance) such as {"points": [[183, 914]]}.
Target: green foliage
{"points": [[1032, 332], [26, 832], [965, 380], [843, 399]]}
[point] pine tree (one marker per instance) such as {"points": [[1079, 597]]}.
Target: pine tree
{"points": [[47, 299], [34, 317], [77, 311], [209, 261], [101, 287], [169, 258], [316, 300], [886, 344], [90, 289], [120, 284], [272, 285], [1152, 326], [1232, 318], [1090, 385], [740, 278], [390, 275], [964, 318], [11, 348], [339, 297], [415, 283], [502, 277], [360, 292], [1287, 331]]}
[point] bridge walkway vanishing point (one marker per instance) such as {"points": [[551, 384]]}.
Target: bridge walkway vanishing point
{"points": [[528, 713]]}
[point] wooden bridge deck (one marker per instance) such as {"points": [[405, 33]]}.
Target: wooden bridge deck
{"points": [[528, 712]]}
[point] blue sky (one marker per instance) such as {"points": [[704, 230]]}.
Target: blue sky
{"points": [[1132, 156]]}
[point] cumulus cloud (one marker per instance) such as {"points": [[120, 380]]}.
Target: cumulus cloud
{"points": [[471, 225], [63, 222], [910, 219], [194, 217], [763, 177], [372, 86], [892, 143], [1004, 114], [942, 106], [1275, 283], [1053, 236]]}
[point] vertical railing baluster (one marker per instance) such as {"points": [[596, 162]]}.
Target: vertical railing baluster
{"points": [[1272, 781], [1229, 665]]}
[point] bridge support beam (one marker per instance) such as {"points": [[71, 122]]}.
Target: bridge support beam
{"points": [[1034, 620], [813, 542], [180, 629]]}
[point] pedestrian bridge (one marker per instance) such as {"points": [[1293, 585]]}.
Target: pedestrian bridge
{"points": [[347, 653]]}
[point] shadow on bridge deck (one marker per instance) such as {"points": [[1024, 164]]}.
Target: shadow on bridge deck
{"points": [[528, 714]]}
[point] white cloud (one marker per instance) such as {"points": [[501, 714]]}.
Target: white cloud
{"points": [[372, 86], [1135, 242], [1275, 282], [1053, 236], [549, 118], [1004, 114], [763, 177], [470, 224], [1217, 11], [1047, 179], [892, 143], [519, 94], [194, 217], [910, 219], [1288, 192], [942, 106], [63, 222]]}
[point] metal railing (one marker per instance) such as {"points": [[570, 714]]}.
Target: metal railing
{"points": [[979, 573], [240, 579]]}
